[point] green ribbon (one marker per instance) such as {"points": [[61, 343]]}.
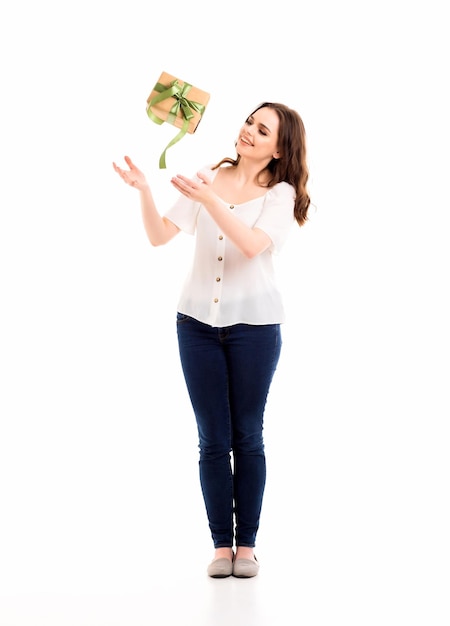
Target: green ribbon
{"points": [[182, 104]]}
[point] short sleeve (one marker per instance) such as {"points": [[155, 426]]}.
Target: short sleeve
{"points": [[277, 216], [184, 212]]}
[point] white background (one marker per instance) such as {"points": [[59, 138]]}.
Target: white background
{"points": [[98, 454]]}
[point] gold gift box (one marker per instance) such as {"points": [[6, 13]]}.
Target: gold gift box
{"points": [[163, 110]]}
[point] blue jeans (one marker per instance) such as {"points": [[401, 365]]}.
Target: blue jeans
{"points": [[228, 372]]}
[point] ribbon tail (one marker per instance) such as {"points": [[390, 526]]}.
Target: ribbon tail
{"points": [[154, 117], [180, 135]]}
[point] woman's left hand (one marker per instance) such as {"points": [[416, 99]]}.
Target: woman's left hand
{"points": [[193, 189]]}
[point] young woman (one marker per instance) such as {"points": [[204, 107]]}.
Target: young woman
{"points": [[230, 311]]}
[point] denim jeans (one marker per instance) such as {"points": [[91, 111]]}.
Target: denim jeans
{"points": [[228, 372]]}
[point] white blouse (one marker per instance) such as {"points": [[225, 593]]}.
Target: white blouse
{"points": [[223, 286]]}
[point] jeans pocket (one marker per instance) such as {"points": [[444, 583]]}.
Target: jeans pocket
{"points": [[181, 317]]}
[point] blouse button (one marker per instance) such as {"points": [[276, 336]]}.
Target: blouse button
{"points": [[218, 279], [216, 300], [219, 258], [220, 237], [231, 206]]}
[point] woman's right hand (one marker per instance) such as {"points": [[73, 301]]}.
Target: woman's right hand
{"points": [[133, 177]]}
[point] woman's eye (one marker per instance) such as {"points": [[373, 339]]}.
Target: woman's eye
{"points": [[263, 132]]}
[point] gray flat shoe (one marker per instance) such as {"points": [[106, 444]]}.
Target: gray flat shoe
{"points": [[245, 568], [220, 568]]}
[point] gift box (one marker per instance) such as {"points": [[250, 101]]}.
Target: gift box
{"points": [[178, 103]]}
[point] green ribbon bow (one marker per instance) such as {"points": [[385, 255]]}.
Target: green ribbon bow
{"points": [[179, 93]]}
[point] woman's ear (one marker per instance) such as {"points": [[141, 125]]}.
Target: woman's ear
{"points": [[277, 155]]}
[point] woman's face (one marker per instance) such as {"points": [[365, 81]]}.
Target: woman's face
{"points": [[258, 138]]}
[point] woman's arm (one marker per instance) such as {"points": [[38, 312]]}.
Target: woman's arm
{"points": [[159, 229], [250, 241]]}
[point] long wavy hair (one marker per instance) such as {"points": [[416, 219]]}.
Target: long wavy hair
{"points": [[292, 166]]}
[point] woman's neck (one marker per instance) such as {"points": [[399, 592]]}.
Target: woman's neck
{"points": [[248, 173]]}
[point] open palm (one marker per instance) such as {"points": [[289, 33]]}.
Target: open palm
{"points": [[133, 176]]}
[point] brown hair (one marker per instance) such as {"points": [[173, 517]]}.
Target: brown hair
{"points": [[292, 166]]}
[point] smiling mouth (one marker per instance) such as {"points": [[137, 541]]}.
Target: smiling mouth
{"points": [[246, 141]]}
